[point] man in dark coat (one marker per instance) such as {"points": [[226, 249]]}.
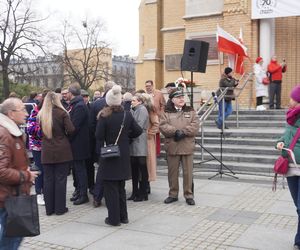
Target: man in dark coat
{"points": [[90, 168], [79, 142], [95, 108]]}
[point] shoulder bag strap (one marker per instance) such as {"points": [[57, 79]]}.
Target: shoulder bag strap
{"points": [[295, 139], [120, 131]]}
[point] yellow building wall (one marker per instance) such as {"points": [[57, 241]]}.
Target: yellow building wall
{"points": [[174, 29]]}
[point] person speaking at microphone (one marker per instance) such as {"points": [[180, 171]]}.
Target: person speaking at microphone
{"points": [[227, 80]]}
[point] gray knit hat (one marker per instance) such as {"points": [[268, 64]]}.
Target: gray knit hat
{"points": [[127, 97], [114, 96]]}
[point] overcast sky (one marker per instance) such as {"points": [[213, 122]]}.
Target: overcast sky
{"points": [[120, 18]]}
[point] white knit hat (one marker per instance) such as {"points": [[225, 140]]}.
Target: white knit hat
{"points": [[114, 96]]}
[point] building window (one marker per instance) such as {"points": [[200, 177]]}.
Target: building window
{"points": [[196, 8], [210, 37]]}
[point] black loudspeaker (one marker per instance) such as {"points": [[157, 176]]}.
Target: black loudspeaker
{"points": [[194, 56]]}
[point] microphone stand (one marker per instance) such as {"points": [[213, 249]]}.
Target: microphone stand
{"points": [[222, 165]]}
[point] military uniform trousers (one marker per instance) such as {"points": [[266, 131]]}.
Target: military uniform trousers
{"points": [[173, 174]]}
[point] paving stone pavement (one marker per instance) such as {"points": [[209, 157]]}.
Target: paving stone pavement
{"points": [[228, 214]]}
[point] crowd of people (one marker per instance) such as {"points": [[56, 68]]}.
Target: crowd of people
{"points": [[65, 132]]}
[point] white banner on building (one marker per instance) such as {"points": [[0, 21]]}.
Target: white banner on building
{"points": [[275, 8]]}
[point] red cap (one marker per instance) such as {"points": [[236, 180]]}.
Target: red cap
{"points": [[258, 59]]}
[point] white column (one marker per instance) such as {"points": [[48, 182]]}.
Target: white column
{"points": [[267, 39]]}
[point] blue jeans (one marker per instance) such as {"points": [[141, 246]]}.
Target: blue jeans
{"points": [[227, 109], [7, 243], [39, 181], [294, 186]]}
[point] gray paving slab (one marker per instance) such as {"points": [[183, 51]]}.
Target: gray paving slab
{"points": [[75, 235], [224, 188], [131, 240], [169, 225], [260, 237], [283, 207], [212, 200]]}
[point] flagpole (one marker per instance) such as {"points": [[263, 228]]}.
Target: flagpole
{"points": [[220, 63]]}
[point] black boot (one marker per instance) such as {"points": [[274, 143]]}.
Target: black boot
{"points": [[81, 200], [141, 198], [132, 197], [75, 195]]}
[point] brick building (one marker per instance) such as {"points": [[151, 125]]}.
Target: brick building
{"points": [[165, 24]]}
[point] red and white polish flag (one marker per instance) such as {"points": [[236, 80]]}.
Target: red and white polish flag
{"points": [[234, 47]]}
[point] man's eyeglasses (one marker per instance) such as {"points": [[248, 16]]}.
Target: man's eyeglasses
{"points": [[20, 110]]}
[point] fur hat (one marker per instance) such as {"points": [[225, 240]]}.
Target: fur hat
{"points": [[127, 97], [227, 70], [258, 59], [114, 96], [176, 93], [295, 94]]}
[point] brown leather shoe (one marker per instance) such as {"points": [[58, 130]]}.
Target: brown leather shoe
{"points": [[190, 201], [170, 200]]}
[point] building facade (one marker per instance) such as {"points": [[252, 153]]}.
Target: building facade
{"points": [[165, 24], [41, 72], [123, 72], [89, 65]]}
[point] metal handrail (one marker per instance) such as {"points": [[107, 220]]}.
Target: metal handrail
{"points": [[206, 114]]}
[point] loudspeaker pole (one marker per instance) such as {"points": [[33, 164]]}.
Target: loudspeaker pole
{"points": [[192, 91]]}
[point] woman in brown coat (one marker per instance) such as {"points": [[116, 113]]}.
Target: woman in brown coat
{"points": [[56, 152]]}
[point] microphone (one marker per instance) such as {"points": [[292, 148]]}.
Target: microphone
{"points": [[214, 97]]}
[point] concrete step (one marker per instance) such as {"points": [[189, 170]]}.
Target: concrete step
{"points": [[235, 149], [238, 168], [250, 123], [280, 118], [236, 157], [240, 141], [270, 133]]}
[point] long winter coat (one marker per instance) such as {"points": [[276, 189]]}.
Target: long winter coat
{"points": [[139, 145], [260, 74], [80, 143], [13, 160], [107, 130], [58, 148], [185, 120], [153, 129]]}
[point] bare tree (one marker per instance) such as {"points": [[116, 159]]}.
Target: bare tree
{"points": [[19, 35], [90, 62], [125, 78]]}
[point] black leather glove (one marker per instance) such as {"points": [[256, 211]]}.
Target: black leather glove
{"points": [[179, 135]]}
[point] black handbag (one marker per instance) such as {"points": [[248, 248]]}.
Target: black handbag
{"points": [[22, 216], [113, 151]]}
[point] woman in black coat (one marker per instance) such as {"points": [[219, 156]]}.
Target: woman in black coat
{"points": [[114, 171]]}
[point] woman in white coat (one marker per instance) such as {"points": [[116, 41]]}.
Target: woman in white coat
{"points": [[261, 89]]}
